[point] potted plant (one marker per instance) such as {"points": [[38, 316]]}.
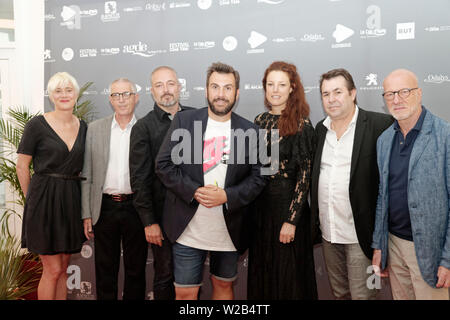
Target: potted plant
{"points": [[20, 272]]}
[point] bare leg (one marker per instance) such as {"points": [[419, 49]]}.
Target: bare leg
{"points": [[222, 290], [61, 286], [52, 269], [190, 293]]}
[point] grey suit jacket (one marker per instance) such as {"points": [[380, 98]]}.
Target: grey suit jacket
{"points": [[96, 157]]}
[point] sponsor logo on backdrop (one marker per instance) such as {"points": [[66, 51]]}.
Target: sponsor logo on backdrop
{"points": [[49, 17], [203, 45], [437, 29], [230, 43], [111, 13], [178, 46], [271, 1], [178, 5], [371, 82], [71, 17], [406, 31], [109, 51], [204, 4], [88, 53], [249, 86], [229, 2], [373, 24], [155, 7], [85, 288], [67, 54], [340, 34], [132, 9], [312, 37], [285, 39], [48, 56], [437, 78], [141, 49], [86, 251], [255, 40], [308, 89], [184, 93], [199, 88]]}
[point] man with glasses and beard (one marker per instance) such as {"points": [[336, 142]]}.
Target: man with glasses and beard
{"points": [[209, 187], [149, 192]]}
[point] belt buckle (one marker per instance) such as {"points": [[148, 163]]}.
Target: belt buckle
{"points": [[117, 197]]}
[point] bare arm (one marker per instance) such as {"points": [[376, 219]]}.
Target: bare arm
{"points": [[23, 171]]}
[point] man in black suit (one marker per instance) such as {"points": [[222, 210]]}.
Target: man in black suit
{"points": [[344, 185], [146, 138], [212, 174]]}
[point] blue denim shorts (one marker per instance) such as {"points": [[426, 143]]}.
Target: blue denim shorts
{"points": [[188, 265]]}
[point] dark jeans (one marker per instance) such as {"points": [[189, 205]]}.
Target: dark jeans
{"points": [[163, 288], [119, 223]]}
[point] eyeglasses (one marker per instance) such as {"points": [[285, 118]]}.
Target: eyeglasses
{"points": [[125, 95], [402, 93]]}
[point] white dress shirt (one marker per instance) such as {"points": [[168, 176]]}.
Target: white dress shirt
{"points": [[335, 212], [117, 179]]}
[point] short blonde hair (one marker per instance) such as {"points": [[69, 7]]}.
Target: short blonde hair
{"points": [[61, 79]]}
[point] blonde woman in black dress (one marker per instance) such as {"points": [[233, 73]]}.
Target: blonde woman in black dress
{"points": [[281, 262], [52, 225]]}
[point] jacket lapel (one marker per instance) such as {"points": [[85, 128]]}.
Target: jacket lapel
{"points": [[198, 171], [231, 168], [421, 142], [360, 128], [106, 139], [321, 134], [385, 150]]}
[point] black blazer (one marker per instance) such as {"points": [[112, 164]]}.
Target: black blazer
{"points": [[243, 182], [364, 177]]}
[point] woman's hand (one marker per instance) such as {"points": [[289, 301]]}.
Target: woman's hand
{"points": [[287, 233]]}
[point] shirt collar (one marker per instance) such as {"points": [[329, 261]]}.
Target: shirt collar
{"points": [[419, 123], [327, 121], [115, 124], [161, 113]]}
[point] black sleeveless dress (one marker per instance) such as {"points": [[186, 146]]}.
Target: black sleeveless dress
{"points": [[52, 214], [280, 271]]}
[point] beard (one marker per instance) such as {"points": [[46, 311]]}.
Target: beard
{"points": [[167, 103], [223, 111]]}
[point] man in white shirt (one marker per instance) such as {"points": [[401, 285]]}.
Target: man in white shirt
{"points": [[344, 184], [107, 199]]}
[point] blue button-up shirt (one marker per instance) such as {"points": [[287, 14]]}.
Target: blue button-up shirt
{"points": [[399, 220]]}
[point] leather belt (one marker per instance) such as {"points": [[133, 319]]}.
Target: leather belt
{"points": [[63, 176], [119, 197]]}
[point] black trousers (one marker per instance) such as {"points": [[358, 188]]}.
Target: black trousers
{"points": [[119, 223], [163, 288]]}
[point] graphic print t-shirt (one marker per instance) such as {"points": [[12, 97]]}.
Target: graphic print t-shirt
{"points": [[207, 229]]}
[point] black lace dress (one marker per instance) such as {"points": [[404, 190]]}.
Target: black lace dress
{"points": [[280, 271]]}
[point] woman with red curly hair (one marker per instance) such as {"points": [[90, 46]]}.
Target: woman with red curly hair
{"points": [[281, 261]]}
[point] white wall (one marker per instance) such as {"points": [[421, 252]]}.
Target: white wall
{"points": [[25, 68]]}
